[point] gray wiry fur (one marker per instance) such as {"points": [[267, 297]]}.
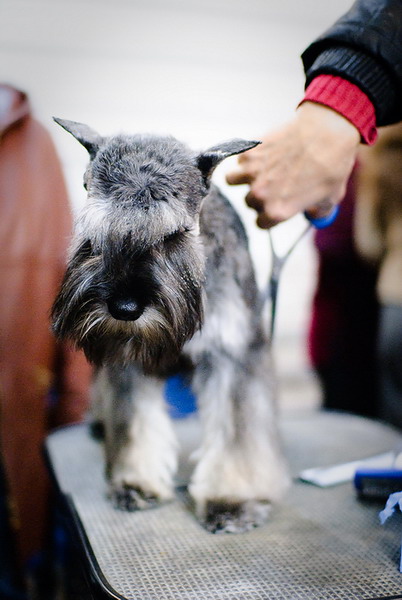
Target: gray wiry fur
{"points": [[160, 279]]}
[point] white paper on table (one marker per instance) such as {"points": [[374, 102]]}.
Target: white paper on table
{"points": [[335, 474]]}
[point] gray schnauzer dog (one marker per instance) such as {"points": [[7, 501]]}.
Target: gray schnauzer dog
{"points": [[159, 280]]}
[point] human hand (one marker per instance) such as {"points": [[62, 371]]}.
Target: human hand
{"points": [[303, 166]]}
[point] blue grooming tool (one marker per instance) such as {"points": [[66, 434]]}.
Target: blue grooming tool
{"points": [[377, 483]]}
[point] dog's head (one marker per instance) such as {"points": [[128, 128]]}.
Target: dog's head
{"points": [[133, 289]]}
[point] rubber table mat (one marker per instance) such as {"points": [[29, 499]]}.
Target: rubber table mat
{"points": [[319, 544]]}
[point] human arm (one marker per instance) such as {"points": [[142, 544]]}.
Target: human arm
{"points": [[306, 163]]}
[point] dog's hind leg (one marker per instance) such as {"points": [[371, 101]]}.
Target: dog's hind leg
{"points": [[240, 468], [140, 443]]}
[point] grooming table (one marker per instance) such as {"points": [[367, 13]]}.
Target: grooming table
{"points": [[320, 544]]}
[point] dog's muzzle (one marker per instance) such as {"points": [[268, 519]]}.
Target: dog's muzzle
{"points": [[125, 309]]}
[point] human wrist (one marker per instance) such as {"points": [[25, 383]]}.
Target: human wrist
{"points": [[330, 144], [348, 100], [323, 121]]}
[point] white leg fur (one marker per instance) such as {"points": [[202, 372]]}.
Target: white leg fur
{"points": [[146, 460], [240, 458]]}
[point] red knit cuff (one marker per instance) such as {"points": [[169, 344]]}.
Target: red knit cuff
{"points": [[348, 100]]}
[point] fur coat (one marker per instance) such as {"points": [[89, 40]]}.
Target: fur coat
{"points": [[41, 383]]}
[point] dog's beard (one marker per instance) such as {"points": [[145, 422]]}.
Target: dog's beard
{"points": [[156, 338], [152, 339]]}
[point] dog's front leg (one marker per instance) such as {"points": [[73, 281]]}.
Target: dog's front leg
{"points": [[139, 440], [240, 468]]}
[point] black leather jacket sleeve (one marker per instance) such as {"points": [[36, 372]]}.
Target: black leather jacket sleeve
{"points": [[365, 47]]}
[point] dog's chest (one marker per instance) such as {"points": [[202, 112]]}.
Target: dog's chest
{"points": [[226, 325]]}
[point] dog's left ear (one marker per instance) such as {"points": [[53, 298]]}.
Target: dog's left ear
{"points": [[208, 160], [83, 133]]}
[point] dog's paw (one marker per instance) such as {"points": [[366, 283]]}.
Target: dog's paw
{"points": [[235, 517], [129, 498]]}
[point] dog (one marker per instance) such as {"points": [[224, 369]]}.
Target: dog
{"points": [[160, 280]]}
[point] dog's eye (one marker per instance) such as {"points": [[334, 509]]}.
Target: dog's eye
{"points": [[86, 180], [172, 236], [175, 235]]}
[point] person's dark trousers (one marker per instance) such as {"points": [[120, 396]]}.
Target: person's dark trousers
{"points": [[390, 364]]}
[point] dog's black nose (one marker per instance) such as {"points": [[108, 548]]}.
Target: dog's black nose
{"points": [[125, 309]]}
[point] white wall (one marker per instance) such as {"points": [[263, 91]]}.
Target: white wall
{"points": [[202, 70]]}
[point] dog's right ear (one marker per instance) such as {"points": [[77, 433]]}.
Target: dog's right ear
{"points": [[84, 134], [208, 160]]}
